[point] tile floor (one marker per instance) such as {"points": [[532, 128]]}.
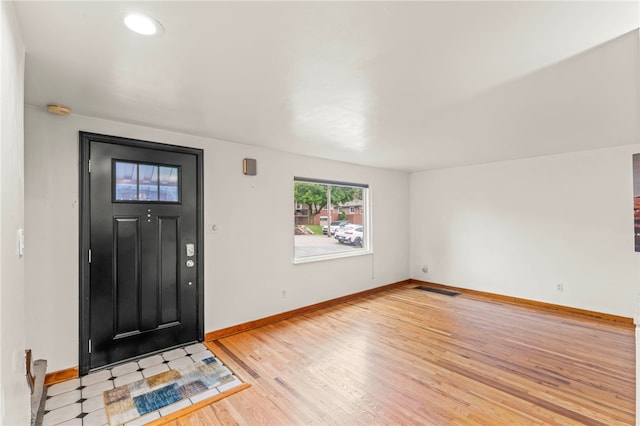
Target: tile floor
{"points": [[78, 402]]}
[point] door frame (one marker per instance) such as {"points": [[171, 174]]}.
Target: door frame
{"points": [[84, 319]]}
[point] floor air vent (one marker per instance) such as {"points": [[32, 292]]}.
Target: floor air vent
{"points": [[438, 290]]}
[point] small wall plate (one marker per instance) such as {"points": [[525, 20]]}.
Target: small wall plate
{"points": [[249, 167]]}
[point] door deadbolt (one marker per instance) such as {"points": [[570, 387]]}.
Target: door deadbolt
{"points": [[190, 263]]}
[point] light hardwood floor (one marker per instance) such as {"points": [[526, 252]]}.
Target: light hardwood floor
{"points": [[406, 356]]}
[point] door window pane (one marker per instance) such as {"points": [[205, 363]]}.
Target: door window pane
{"points": [[126, 181], [168, 183], [148, 183]]}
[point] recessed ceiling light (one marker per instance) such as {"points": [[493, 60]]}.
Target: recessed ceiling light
{"points": [[142, 24]]}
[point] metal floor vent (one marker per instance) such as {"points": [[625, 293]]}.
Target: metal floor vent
{"points": [[438, 290]]}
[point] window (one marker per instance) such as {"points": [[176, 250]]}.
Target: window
{"points": [[140, 182], [323, 228]]}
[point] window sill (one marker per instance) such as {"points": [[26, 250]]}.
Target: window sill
{"points": [[323, 257]]}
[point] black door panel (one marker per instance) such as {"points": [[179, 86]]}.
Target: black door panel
{"points": [[144, 293]]}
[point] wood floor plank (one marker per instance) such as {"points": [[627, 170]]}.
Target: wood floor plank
{"points": [[405, 356]]}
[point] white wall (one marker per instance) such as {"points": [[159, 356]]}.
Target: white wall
{"points": [[519, 228], [248, 260], [14, 394]]}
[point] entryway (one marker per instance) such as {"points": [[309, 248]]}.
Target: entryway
{"points": [[141, 269]]}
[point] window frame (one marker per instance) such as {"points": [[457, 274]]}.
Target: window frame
{"points": [[366, 249], [114, 198]]}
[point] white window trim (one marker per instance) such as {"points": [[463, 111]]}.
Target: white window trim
{"points": [[366, 250], [331, 256]]}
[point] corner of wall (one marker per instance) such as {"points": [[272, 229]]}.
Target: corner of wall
{"points": [[14, 392]]}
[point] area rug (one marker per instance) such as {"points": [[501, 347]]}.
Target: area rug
{"points": [[171, 392]]}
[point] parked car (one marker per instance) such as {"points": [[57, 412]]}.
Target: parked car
{"points": [[350, 234], [339, 235], [356, 237], [334, 226]]}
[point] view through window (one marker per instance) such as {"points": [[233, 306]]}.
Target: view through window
{"points": [[331, 219], [145, 182]]}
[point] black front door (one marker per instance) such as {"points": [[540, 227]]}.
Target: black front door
{"points": [[141, 287]]}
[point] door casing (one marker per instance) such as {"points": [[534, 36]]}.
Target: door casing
{"points": [[86, 138]]}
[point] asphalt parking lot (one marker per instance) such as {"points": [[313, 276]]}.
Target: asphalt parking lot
{"points": [[313, 245]]}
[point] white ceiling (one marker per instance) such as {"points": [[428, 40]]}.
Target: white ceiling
{"points": [[403, 85]]}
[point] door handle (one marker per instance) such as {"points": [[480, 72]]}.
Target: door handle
{"points": [[191, 250]]}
